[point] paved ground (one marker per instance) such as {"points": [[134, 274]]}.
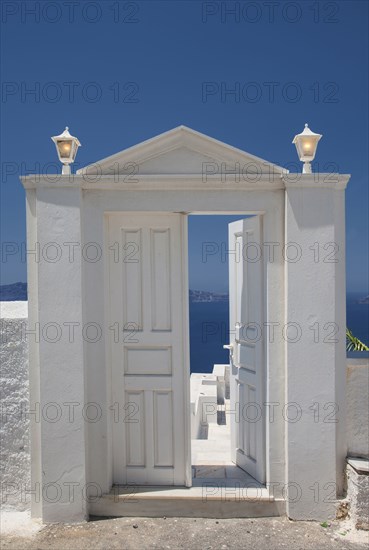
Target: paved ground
{"points": [[191, 534]]}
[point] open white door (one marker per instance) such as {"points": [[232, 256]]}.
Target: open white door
{"points": [[148, 348], [246, 346]]}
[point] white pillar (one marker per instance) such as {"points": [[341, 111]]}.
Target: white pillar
{"points": [[57, 360], [315, 344]]}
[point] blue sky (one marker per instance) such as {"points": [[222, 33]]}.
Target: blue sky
{"points": [[120, 72]]}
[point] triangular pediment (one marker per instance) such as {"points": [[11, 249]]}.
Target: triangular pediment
{"points": [[180, 151], [180, 160]]}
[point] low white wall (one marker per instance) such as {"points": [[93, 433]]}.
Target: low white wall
{"points": [[203, 402], [357, 389], [357, 474], [207, 391], [15, 464]]}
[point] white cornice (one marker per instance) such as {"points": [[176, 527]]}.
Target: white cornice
{"points": [[186, 182], [152, 183], [316, 181]]}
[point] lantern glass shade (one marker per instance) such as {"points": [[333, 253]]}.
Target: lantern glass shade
{"points": [[65, 148]]}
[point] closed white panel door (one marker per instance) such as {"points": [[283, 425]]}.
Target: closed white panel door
{"points": [[247, 347], [149, 348]]}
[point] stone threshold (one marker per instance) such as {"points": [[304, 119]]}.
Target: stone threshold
{"points": [[212, 498]]}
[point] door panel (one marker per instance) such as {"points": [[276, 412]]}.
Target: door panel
{"points": [[246, 340], [148, 348]]}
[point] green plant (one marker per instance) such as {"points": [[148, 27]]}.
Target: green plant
{"points": [[353, 343]]}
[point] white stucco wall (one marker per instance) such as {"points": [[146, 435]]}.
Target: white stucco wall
{"points": [[15, 464]]}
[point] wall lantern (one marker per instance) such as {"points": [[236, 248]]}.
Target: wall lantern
{"points": [[67, 147], [306, 145]]}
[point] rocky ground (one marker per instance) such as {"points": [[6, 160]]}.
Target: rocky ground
{"points": [[173, 533]]}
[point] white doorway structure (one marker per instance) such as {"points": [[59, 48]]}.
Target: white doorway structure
{"points": [[111, 280]]}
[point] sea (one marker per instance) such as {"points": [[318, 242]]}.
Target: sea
{"points": [[209, 325], [209, 330]]}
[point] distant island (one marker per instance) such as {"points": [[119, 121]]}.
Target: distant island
{"points": [[18, 292], [197, 296]]}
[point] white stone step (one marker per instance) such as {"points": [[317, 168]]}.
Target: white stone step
{"points": [[210, 500]]}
